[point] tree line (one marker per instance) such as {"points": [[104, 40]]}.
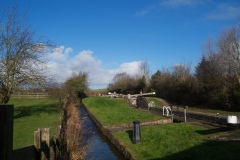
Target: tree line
{"points": [[214, 83]]}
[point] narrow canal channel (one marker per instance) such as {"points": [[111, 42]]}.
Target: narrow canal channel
{"points": [[100, 147]]}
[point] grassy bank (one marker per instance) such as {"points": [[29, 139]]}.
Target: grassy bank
{"points": [[31, 114], [116, 111], [178, 141], [169, 141]]}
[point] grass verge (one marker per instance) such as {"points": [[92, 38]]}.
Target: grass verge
{"points": [[111, 111], [31, 114], [178, 141]]}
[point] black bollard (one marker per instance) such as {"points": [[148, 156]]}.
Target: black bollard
{"points": [[136, 132]]}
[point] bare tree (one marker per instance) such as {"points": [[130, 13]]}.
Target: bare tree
{"points": [[144, 70], [143, 76], [22, 54], [229, 47]]}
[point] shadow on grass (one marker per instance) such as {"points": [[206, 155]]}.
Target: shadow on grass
{"points": [[130, 134], [208, 150], [214, 130], [24, 111]]}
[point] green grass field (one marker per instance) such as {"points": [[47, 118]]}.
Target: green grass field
{"points": [[31, 114], [116, 111]]}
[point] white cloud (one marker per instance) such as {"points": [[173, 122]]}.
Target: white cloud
{"points": [[156, 7], [224, 12], [84, 61], [61, 66], [131, 67], [60, 53], [180, 3], [145, 11]]}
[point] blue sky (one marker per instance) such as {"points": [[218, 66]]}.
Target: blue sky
{"points": [[105, 37]]}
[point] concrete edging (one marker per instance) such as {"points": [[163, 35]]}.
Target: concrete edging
{"points": [[130, 125]]}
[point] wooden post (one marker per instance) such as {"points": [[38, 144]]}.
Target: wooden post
{"points": [[6, 132], [55, 147], [42, 143], [45, 137]]}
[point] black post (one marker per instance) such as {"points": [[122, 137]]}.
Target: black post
{"points": [[6, 132], [136, 132], [171, 109]]}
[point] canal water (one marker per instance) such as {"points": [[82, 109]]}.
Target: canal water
{"points": [[99, 147]]}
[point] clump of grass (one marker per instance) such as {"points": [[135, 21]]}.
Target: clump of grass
{"points": [[73, 132]]}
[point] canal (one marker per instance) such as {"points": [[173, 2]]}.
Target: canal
{"points": [[99, 147]]}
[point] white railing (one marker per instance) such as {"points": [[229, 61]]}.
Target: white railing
{"points": [[167, 109], [141, 94]]}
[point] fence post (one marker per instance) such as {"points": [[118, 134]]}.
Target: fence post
{"points": [[42, 143], [6, 132], [185, 113], [45, 138]]}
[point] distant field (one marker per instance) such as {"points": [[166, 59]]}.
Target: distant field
{"points": [[31, 114]]}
